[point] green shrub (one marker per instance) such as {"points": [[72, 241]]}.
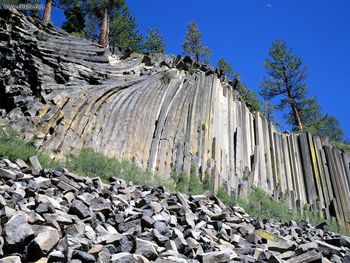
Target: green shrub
{"points": [[166, 78], [195, 185], [92, 164], [77, 34], [42, 36], [261, 205], [342, 146], [192, 70], [181, 181], [208, 182], [12, 146], [225, 197]]}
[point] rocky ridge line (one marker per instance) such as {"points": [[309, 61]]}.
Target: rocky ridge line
{"points": [[56, 216]]}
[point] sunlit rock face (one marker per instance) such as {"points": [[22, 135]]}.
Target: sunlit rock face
{"points": [[163, 113]]}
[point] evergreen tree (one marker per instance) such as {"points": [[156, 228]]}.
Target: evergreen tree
{"points": [[331, 128], [193, 44], [310, 114], [124, 33], [317, 123], [154, 42], [47, 12], [104, 10], [286, 79], [248, 96], [226, 68], [75, 15]]}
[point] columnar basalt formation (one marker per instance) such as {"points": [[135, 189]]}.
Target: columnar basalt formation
{"points": [[165, 114]]}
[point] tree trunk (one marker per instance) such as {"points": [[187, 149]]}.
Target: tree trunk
{"points": [[104, 29], [47, 12], [297, 118]]}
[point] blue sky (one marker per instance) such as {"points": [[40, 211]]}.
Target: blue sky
{"points": [[241, 31]]}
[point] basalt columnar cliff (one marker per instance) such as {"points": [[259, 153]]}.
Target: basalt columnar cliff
{"points": [[163, 113]]}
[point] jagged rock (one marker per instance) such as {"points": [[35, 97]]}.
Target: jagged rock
{"points": [[311, 256], [214, 257], [126, 223], [56, 256], [44, 242], [35, 163], [124, 257], [80, 209], [17, 232], [83, 256], [11, 259]]}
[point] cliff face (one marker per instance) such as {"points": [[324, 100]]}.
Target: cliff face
{"points": [[165, 114]]}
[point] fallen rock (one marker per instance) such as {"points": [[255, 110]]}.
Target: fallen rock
{"points": [[17, 232]]}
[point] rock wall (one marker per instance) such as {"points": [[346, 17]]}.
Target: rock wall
{"points": [[165, 114]]}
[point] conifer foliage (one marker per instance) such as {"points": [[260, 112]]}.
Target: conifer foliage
{"points": [[154, 42], [286, 79], [193, 45]]}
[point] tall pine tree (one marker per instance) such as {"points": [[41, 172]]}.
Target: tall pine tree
{"points": [[154, 42], [103, 10], [124, 33], [193, 45], [75, 16], [286, 79]]}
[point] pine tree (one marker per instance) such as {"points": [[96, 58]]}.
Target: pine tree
{"points": [[248, 96], [226, 68], [154, 42], [193, 44], [104, 10], [315, 122], [47, 12], [331, 128], [286, 80], [124, 33], [75, 15]]}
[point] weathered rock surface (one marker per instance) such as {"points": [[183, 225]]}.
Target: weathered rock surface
{"points": [[127, 223], [163, 113]]}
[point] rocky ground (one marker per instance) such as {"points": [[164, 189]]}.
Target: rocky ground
{"points": [[56, 216]]}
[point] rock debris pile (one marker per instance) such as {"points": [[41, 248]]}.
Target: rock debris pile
{"points": [[56, 216]]}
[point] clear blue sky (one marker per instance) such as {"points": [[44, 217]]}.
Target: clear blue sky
{"points": [[241, 31]]}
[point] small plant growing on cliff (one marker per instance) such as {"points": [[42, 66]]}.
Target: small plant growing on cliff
{"points": [[167, 76], [42, 36]]}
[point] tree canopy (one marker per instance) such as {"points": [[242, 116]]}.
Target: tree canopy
{"points": [[193, 45], [286, 79], [123, 31], [75, 15], [154, 42], [226, 68]]}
